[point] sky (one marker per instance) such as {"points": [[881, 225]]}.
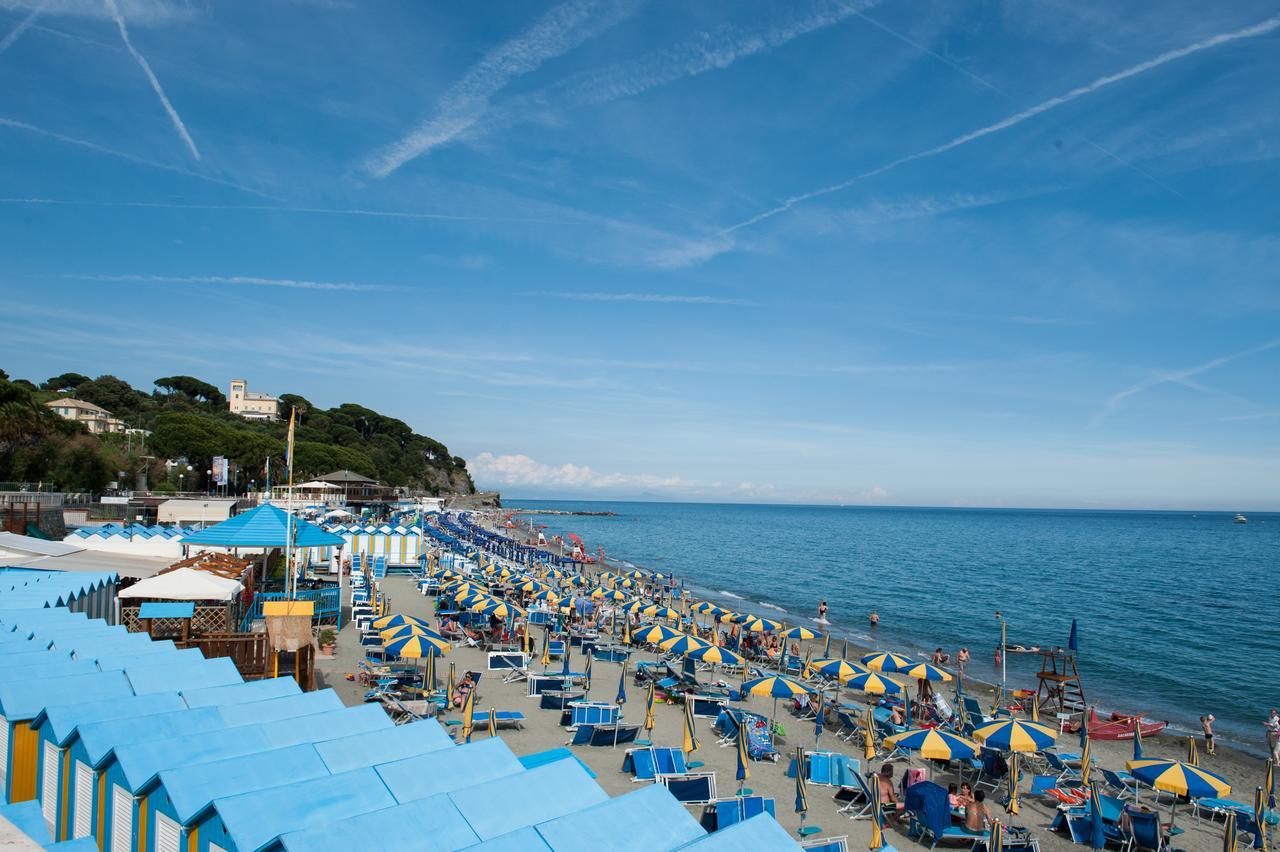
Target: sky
{"points": [[826, 251]]}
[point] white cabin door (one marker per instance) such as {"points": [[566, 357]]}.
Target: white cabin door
{"points": [[121, 820], [83, 826], [168, 835], [49, 788]]}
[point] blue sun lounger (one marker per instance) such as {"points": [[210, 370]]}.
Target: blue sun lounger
{"points": [[739, 809], [645, 764], [592, 713]]}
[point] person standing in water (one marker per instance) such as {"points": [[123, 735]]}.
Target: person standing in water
{"points": [[822, 611], [875, 618]]}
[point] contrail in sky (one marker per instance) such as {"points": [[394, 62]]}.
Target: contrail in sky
{"points": [[155, 83], [1262, 28], [16, 32]]}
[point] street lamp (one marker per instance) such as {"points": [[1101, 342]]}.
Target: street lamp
{"points": [[1004, 650], [208, 481]]}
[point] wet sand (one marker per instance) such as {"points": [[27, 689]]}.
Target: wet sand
{"points": [[541, 731]]}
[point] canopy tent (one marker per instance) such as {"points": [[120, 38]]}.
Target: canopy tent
{"points": [[185, 584], [264, 526]]}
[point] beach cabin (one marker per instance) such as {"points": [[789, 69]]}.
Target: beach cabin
{"points": [[20, 702], [502, 805], [434, 824], [760, 833], [649, 818], [252, 821], [179, 675], [447, 770], [59, 728], [182, 800], [183, 797], [241, 693]]}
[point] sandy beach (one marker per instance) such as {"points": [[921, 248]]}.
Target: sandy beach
{"points": [[541, 731]]}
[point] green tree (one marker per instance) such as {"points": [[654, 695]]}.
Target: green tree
{"points": [[194, 388], [65, 383]]}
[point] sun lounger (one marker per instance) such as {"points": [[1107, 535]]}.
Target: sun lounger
{"points": [[860, 797], [835, 844], [554, 699], [1121, 784], [691, 788], [511, 719], [507, 660], [739, 808], [540, 683], [1216, 807], [1057, 764], [707, 706], [646, 764], [592, 713], [930, 814]]}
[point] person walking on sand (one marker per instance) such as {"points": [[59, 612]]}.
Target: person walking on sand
{"points": [[1273, 735], [962, 660], [1206, 725]]}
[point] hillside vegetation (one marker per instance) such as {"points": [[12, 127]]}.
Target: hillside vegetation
{"points": [[188, 419]]}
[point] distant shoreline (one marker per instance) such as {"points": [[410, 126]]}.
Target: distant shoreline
{"points": [[1081, 510]]}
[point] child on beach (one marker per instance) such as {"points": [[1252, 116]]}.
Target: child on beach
{"points": [[1206, 725]]}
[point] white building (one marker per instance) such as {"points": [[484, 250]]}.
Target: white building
{"points": [[95, 418], [251, 405]]}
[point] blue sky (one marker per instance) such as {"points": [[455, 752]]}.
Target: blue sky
{"points": [[844, 251]]}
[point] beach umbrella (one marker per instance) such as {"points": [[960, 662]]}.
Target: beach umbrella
{"points": [[568, 648], [1073, 640], [924, 671], [586, 674], [743, 772], [844, 649], [997, 837], [499, 609], [716, 654], [841, 670], [755, 624], [633, 606], [817, 721], [452, 680], [690, 739], [877, 817], [1097, 838], [802, 791], [826, 647], [875, 684], [1085, 758], [1016, 735], [1260, 819], [906, 708], [393, 633], [626, 630], [493, 722], [1175, 776], [1269, 781], [883, 661], [665, 613], [414, 647], [654, 634], [934, 744], [1193, 754], [869, 736], [1012, 805], [621, 697], [468, 715], [648, 708], [546, 650], [800, 633], [775, 686], [683, 643], [1137, 737], [1229, 833], [1035, 711], [526, 642], [398, 620]]}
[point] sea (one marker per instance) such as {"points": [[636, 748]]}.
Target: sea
{"points": [[1178, 612]]}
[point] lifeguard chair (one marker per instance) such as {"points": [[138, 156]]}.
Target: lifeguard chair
{"points": [[289, 633], [1060, 691]]}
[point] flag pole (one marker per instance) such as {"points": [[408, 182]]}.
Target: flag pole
{"points": [[288, 544]]}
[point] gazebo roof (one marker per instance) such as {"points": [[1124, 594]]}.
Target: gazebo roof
{"points": [[264, 526]]}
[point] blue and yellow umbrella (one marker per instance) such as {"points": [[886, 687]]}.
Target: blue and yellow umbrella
{"points": [[716, 654], [883, 661], [1229, 830], [798, 632], [393, 633], [924, 671], [743, 772], [756, 624], [648, 708], [683, 644], [412, 647], [690, 738], [802, 790], [934, 744], [654, 634], [874, 684], [841, 670], [776, 686], [398, 620], [1176, 776], [1016, 735]]}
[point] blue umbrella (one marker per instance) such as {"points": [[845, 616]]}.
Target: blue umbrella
{"points": [[564, 670], [1073, 641], [1097, 837], [586, 674], [622, 686], [817, 723], [906, 708], [1137, 738]]}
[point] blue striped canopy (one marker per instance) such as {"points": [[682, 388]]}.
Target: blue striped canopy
{"points": [[263, 526]]}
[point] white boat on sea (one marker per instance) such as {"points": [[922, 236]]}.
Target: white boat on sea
{"points": [[1240, 519]]}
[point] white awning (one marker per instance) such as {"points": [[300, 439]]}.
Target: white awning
{"points": [[185, 584]]}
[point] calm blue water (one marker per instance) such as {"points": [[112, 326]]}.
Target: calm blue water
{"points": [[1178, 611]]}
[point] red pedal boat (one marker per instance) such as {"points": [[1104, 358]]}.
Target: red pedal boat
{"points": [[1121, 725]]}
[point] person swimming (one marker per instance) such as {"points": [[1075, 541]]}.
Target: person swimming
{"points": [[875, 618], [822, 611]]}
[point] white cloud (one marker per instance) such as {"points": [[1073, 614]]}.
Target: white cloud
{"points": [[658, 298], [137, 11], [520, 470]]}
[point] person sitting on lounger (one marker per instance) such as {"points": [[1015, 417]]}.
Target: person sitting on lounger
{"points": [[975, 814], [895, 715], [889, 802], [964, 798]]}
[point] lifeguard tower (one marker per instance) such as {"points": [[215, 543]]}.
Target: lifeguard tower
{"points": [[1060, 691]]}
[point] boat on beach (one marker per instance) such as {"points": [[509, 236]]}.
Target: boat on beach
{"points": [[1120, 726]]}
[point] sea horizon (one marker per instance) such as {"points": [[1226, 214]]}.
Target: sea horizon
{"points": [[892, 506]]}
